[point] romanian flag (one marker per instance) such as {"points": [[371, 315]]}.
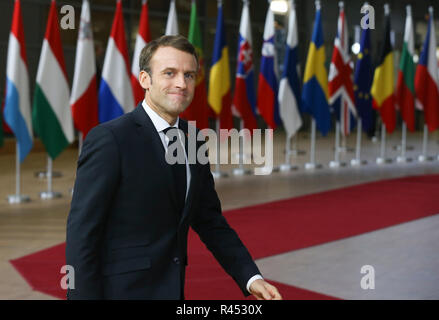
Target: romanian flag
{"points": [[315, 88], [383, 82], [198, 109], [219, 96]]}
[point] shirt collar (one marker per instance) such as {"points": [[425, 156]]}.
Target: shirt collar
{"points": [[159, 123]]}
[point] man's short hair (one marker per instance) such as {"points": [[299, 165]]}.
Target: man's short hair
{"points": [[178, 42]]}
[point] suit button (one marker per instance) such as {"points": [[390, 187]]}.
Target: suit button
{"points": [[176, 260]]}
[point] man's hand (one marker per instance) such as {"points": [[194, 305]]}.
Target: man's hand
{"points": [[262, 290]]}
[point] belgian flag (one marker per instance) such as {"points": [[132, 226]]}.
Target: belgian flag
{"points": [[383, 81]]}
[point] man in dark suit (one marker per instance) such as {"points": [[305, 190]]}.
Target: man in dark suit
{"points": [[131, 210]]}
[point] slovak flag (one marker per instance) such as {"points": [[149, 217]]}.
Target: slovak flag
{"points": [[115, 90], [267, 86], [244, 96], [427, 79], [17, 110], [143, 37], [340, 82]]}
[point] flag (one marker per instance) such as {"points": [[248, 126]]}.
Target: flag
{"points": [[143, 37], [340, 82], [244, 95], [51, 114], [426, 80], [115, 90], [383, 81], [363, 82], [268, 105], [289, 86], [219, 96], [405, 87], [198, 110], [84, 98], [172, 23], [17, 111], [315, 87]]}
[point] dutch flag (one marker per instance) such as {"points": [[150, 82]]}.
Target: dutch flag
{"points": [[115, 90]]}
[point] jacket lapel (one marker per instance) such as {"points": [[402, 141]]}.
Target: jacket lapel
{"points": [[150, 136], [183, 125]]}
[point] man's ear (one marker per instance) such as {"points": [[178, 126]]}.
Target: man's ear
{"points": [[145, 79]]}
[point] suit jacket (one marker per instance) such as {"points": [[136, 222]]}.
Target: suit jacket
{"points": [[125, 237]]}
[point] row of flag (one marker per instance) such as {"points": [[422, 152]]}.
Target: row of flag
{"points": [[351, 95]]}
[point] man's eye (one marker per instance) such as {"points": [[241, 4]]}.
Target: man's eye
{"points": [[190, 76], [169, 73]]}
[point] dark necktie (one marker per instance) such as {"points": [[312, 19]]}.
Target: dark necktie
{"points": [[178, 170]]}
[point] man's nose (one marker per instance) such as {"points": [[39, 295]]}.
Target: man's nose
{"points": [[180, 81]]}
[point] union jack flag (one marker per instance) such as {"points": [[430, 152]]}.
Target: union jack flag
{"points": [[340, 85]]}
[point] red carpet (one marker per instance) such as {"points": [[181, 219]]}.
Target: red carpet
{"points": [[278, 227]]}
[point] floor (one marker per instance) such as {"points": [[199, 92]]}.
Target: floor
{"points": [[36, 225]]}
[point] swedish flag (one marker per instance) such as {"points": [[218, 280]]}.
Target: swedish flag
{"points": [[315, 87]]}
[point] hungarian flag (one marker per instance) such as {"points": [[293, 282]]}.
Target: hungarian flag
{"points": [[426, 80], [51, 114], [84, 99], [172, 23], [340, 85], [198, 110], [383, 81], [219, 96], [405, 87], [244, 95], [268, 105], [17, 110], [143, 37], [115, 90]]}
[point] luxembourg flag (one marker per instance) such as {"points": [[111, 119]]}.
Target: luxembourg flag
{"points": [[143, 37], [267, 86], [17, 110], [84, 98], [244, 97], [289, 86], [427, 79], [115, 90]]}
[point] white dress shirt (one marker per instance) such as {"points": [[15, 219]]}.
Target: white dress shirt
{"points": [[161, 124]]}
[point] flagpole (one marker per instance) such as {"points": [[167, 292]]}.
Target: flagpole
{"points": [[381, 159], [312, 163], [217, 173], [423, 157], [240, 171], [49, 194], [17, 197], [287, 166], [402, 158], [357, 161], [336, 162]]}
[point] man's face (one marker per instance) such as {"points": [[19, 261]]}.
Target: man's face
{"points": [[171, 85]]}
